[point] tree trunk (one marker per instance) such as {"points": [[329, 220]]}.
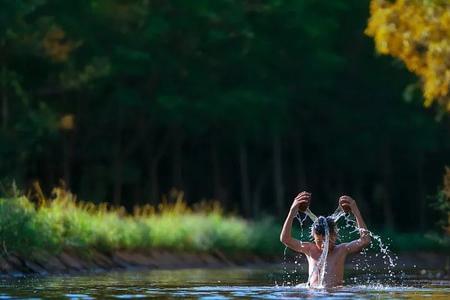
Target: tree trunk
{"points": [[260, 182], [4, 99], [118, 164], [245, 182], [360, 198], [154, 180], [121, 152], [421, 192], [387, 184], [300, 164], [118, 179], [278, 185], [155, 154], [67, 156], [177, 160], [219, 190]]}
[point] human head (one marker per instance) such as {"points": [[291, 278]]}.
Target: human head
{"points": [[318, 231]]}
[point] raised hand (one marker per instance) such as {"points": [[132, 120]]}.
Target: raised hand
{"points": [[348, 204], [301, 202]]}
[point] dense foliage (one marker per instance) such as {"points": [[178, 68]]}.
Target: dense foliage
{"points": [[443, 202], [247, 102], [417, 32], [63, 223]]}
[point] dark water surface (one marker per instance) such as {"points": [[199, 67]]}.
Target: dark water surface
{"points": [[212, 284]]}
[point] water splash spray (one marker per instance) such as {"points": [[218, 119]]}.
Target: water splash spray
{"points": [[338, 213], [310, 214], [302, 218], [319, 269], [389, 258]]}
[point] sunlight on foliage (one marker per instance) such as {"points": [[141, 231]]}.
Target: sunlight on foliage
{"points": [[57, 46], [418, 33], [67, 122], [63, 222]]}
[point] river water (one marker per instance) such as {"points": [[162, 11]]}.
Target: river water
{"points": [[239, 283]]}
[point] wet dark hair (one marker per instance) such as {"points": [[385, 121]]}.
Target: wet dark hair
{"points": [[318, 226]]}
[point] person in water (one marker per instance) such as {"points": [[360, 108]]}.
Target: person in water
{"points": [[334, 268]]}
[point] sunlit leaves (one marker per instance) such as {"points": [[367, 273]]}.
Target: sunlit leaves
{"points": [[57, 46], [418, 33], [64, 222], [67, 122]]}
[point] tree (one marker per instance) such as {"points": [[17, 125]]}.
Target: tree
{"points": [[245, 101], [418, 33]]}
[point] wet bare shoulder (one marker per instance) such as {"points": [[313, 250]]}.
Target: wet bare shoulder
{"points": [[341, 248]]}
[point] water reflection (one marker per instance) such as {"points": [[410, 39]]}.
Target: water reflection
{"points": [[204, 284]]}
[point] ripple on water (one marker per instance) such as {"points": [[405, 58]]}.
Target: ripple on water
{"points": [[79, 296], [234, 284], [130, 296]]}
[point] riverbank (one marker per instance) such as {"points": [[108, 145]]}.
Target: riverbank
{"points": [[70, 262], [433, 265], [63, 222], [62, 235]]}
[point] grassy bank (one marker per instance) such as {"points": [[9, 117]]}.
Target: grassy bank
{"points": [[64, 223]]}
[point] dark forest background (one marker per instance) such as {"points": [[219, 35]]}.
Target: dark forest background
{"points": [[247, 102]]}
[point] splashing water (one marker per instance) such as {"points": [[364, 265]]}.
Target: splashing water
{"points": [[338, 213], [389, 258], [287, 276], [319, 269], [310, 214], [301, 221]]}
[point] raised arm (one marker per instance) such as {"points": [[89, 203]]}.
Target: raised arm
{"points": [[302, 201], [346, 203]]}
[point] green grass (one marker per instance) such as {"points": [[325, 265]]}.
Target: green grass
{"points": [[65, 223]]}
